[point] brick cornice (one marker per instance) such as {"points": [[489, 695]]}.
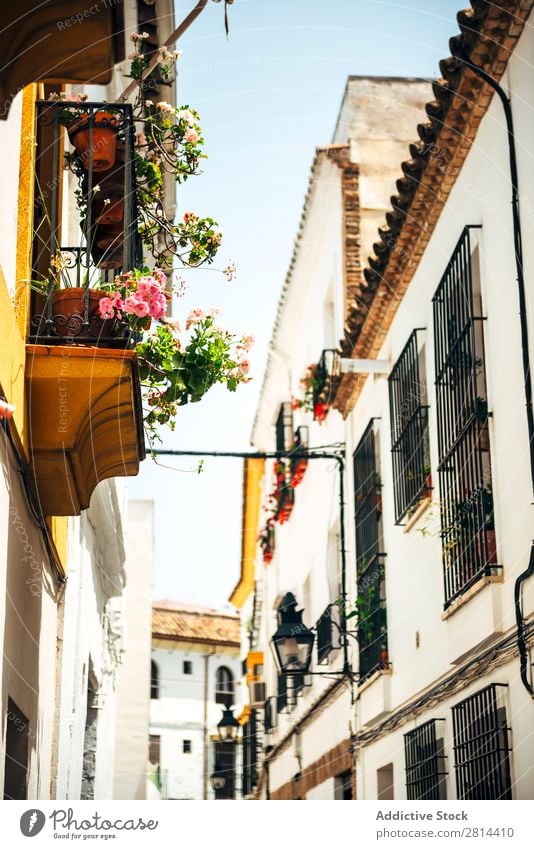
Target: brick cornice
{"points": [[337, 760]]}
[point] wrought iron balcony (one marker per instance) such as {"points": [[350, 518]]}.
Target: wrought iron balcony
{"points": [[84, 400], [103, 165]]}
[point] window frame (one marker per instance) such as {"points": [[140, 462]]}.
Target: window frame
{"points": [[224, 695], [154, 680], [483, 712], [465, 481], [410, 444], [370, 566], [426, 776]]}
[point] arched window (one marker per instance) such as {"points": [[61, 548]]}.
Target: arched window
{"points": [[224, 687], [154, 681]]}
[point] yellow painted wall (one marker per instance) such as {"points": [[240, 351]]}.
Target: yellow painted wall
{"points": [[253, 474], [14, 316]]}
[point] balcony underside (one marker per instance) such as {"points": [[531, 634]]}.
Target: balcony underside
{"points": [[63, 40], [85, 422]]}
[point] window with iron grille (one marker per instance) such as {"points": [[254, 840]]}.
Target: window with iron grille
{"points": [[328, 629], [250, 754], [225, 761], [224, 687], [467, 520], [284, 427], [281, 698], [425, 761], [371, 597], [343, 786], [409, 427], [269, 714], [482, 745], [154, 680]]}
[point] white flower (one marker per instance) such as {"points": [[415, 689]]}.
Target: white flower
{"points": [[186, 115]]}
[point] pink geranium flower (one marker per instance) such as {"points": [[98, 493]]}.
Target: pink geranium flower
{"points": [[105, 308], [141, 309]]}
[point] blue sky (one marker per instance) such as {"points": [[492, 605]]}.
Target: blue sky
{"points": [[267, 97]]}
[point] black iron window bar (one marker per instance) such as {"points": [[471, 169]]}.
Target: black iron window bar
{"points": [[269, 714], [284, 427], [370, 569], [467, 517], [327, 377], [409, 430], [328, 629], [99, 254], [482, 745], [425, 760], [225, 758], [250, 754]]}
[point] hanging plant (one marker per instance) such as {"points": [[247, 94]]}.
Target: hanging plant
{"points": [[267, 541], [282, 498], [310, 384]]}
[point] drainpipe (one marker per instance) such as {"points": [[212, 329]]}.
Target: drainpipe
{"points": [[459, 52]]}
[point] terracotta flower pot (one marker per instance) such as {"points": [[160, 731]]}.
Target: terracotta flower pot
{"points": [[111, 212], [107, 259], [68, 311], [109, 236], [488, 557], [483, 436], [105, 128]]}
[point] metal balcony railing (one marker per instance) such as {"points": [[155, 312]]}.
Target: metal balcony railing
{"points": [[106, 202]]}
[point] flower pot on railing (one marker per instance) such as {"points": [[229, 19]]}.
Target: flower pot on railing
{"points": [[287, 502], [68, 309], [427, 492], [298, 472], [483, 436], [108, 210], [107, 259], [487, 548], [109, 236], [105, 129]]}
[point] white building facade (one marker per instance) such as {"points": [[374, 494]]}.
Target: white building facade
{"points": [[438, 492], [195, 675]]}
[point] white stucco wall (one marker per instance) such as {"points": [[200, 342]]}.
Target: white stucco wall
{"points": [[28, 618], [92, 640], [133, 693]]}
